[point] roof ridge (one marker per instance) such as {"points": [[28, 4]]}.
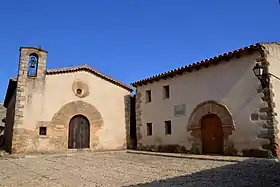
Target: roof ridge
{"points": [[198, 64], [90, 69], [84, 67]]}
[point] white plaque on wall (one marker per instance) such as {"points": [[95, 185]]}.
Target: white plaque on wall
{"points": [[179, 110]]}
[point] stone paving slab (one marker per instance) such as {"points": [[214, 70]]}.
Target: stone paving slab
{"points": [[136, 170]]}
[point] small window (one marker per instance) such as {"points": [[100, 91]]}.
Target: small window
{"points": [[168, 127], [166, 92], [43, 131], [148, 96], [79, 91], [149, 129]]}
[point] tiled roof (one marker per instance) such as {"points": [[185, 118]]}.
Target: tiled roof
{"points": [[13, 81], [198, 65], [90, 70], [84, 67]]}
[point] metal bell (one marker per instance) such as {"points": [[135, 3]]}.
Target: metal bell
{"points": [[33, 62]]}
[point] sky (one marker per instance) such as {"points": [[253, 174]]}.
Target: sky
{"points": [[131, 39]]}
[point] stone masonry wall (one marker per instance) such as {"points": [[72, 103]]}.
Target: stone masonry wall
{"points": [[262, 116], [138, 110], [270, 60], [23, 93], [127, 104]]}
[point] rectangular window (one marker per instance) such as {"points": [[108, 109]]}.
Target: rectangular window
{"points": [[43, 131], [149, 129], [168, 127], [166, 92], [148, 96]]}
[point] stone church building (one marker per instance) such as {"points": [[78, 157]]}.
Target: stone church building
{"points": [[59, 109], [228, 104]]}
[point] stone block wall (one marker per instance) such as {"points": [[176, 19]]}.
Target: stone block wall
{"points": [[271, 61], [26, 87]]}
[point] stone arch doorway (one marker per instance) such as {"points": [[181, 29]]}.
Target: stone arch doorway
{"points": [[61, 119], [212, 134], [79, 132], [195, 124]]}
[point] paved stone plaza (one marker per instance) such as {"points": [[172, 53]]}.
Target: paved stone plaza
{"points": [[127, 169]]}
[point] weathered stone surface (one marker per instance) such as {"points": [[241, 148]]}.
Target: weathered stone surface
{"points": [[271, 131], [127, 104], [194, 125], [208, 107], [172, 148], [138, 109], [262, 153], [56, 140], [78, 84], [25, 86], [64, 115], [229, 149]]}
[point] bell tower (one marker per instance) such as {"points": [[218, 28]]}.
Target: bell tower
{"points": [[29, 95], [32, 63]]}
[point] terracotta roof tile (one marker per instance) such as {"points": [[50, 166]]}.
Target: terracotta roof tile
{"points": [[199, 65], [85, 67]]}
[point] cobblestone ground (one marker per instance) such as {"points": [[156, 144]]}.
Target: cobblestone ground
{"points": [[127, 169]]}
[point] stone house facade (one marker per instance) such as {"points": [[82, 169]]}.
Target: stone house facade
{"points": [[217, 105], [59, 109]]}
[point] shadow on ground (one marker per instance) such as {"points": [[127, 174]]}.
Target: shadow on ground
{"points": [[251, 172]]}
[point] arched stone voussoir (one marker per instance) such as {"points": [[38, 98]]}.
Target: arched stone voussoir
{"points": [[60, 123], [64, 115], [210, 107], [203, 109]]}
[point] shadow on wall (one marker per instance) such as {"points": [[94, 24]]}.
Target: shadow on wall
{"points": [[130, 119], [251, 172]]}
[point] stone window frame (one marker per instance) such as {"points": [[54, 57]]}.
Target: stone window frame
{"points": [[80, 88], [43, 132], [40, 124]]}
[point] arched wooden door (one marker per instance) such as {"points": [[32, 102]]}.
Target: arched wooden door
{"points": [[79, 132], [212, 134]]}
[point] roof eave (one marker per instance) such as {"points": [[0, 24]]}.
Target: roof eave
{"points": [[199, 65], [90, 70]]}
